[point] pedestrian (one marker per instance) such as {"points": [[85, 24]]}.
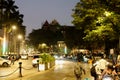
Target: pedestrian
{"points": [[78, 70], [80, 56], [101, 65], [117, 70], [108, 73], [93, 72], [114, 59], [12, 60]]}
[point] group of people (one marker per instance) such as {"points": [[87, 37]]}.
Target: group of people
{"points": [[106, 70]]}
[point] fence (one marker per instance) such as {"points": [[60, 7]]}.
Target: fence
{"points": [[20, 70]]}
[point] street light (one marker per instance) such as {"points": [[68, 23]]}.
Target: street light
{"points": [[7, 43], [14, 27], [20, 37], [14, 37]]}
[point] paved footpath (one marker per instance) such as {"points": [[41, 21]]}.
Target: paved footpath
{"points": [[62, 71]]}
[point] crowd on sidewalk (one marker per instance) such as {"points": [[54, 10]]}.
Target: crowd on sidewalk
{"points": [[107, 69], [104, 68]]}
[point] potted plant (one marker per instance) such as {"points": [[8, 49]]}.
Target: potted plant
{"points": [[45, 59], [52, 61]]}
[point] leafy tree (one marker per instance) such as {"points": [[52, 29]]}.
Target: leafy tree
{"points": [[99, 20], [73, 38], [9, 15], [44, 36]]}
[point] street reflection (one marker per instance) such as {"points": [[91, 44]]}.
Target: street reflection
{"points": [[59, 62]]}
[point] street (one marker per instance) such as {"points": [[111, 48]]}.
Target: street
{"points": [[63, 70]]}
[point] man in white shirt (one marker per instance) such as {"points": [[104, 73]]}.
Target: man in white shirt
{"points": [[100, 65]]}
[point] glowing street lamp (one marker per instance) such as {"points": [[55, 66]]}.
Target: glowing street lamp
{"points": [[5, 38], [14, 32], [14, 27], [20, 37]]}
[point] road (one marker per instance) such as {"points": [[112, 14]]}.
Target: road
{"points": [[62, 71]]}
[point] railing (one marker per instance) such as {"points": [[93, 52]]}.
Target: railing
{"points": [[20, 70]]}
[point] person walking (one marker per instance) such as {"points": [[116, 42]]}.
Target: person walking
{"points": [[80, 56], [108, 73], [101, 65], [12, 60], [93, 72], [78, 70]]}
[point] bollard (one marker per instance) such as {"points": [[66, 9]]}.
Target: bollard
{"points": [[20, 69], [38, 65]]}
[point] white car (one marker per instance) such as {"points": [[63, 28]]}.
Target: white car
{"points": [[35, 60], [24, 56], [56, 56], [4, 62]]}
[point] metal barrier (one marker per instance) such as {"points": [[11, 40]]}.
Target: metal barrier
{"points": [[20, 70], [10, 73], [27, 68]]}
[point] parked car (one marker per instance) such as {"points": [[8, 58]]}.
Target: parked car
{"points": [[5, 56], [4, 62], [36, 57], [58, 56], [24, 56]]}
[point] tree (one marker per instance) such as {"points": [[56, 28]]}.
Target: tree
{"points": [[9, 15], [44, 36], [73, 37], [90, 16]]}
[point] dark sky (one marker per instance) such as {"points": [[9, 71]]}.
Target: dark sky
{"points": [[37, 11]]}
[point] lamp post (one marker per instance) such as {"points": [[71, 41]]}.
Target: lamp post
{"points": [[14, 37], [20, 37]]}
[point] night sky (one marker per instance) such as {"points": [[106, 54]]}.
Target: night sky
{"points": [[37, 11]]}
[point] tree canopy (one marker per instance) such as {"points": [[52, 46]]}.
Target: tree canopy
{"points": [[99, 19], [44, 36], [9, 15]]}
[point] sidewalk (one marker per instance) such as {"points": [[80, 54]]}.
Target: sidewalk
{"points": [[69, 76], [29, 74]]}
